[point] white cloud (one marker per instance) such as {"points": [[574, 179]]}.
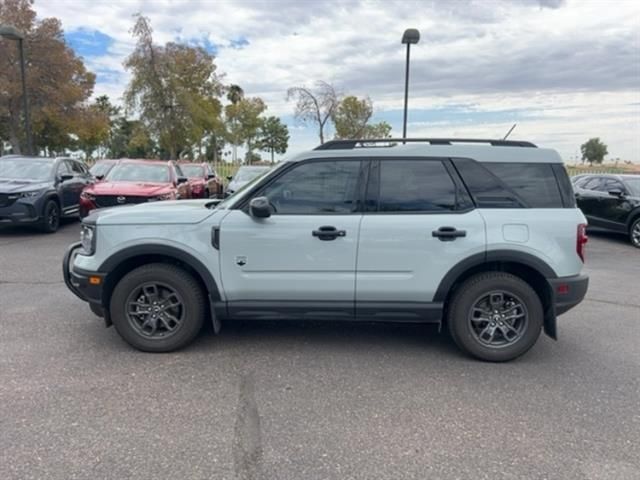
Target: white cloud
{"points": [[574, 64]]}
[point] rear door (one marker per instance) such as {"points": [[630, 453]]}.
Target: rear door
{"points": [[81, 178], [612, 210], [419, 222]]}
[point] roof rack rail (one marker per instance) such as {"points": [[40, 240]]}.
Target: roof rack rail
{"points": [[391, 142]]}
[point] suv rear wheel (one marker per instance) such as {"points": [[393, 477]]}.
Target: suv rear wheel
{"points": [[495, 316], [158, 308]]}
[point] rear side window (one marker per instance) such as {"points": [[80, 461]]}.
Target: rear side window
{"points": [[415, 186], [532, 185]]}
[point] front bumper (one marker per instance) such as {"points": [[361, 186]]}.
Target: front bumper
{"points": [[19, 212], [568, 292], [85, 285]]}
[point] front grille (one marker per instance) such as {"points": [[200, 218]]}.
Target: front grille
{"points": [[5, 201], [102, 201]]}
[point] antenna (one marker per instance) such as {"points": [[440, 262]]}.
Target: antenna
{"points": [[509, 132]]}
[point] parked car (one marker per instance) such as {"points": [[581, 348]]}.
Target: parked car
{"points": [[482, 236], [203, 180], [100, 169], [243, 176], [40, 191], [611, 202], [136, 181]]}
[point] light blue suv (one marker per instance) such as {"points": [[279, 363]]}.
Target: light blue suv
{"points": [[480, 235]]}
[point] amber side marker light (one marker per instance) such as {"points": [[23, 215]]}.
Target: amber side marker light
{"points": [[95, 280]]}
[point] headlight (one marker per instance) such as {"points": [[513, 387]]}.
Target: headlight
{"points": [[166, 196], [31, 194], [87, 196], [88, 239]]}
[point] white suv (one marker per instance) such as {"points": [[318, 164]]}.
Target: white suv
{"points": [[481, 235]]}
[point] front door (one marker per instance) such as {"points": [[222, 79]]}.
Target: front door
{"points": [[419, 223], [300, 261]]}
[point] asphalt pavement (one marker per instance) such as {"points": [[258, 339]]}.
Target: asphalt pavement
{"points": [[307, 401]]}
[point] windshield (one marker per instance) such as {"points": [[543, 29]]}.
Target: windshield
{"points": [[633, 184], [192, 171], [251, 183], [249, 173], [100, 168], [139, 172], [25, 169]]}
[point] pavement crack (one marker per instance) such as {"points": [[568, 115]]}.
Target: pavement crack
{"points": [[247, 442], [611, 302]]}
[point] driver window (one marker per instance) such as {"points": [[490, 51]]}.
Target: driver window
{"points": [[319, 187]]}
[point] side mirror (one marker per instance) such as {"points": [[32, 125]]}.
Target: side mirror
{"points": [[229, 177], [616, 192], [99, 177], [259, 207], [182, 180], [65, 176], [211, 176]]}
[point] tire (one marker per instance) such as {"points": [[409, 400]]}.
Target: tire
{"points": [[516, 335], [634, 233], [155, 336], [50, 217]]}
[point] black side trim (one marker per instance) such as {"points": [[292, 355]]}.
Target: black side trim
{"points": [[492, 256], [290, 310], [118, 258], [413, 312]]}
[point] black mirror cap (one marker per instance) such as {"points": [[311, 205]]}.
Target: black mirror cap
{"points": [[182, 180], [99, 177], [211, 176], [259, 207], [229, 177], [65, 176], [616, 192]]}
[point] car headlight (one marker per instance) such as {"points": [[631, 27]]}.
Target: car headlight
{"points": [[166, 196], [87, 196], [88, 239], [31, 194]]}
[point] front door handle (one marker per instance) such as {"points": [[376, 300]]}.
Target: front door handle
{"points": [[448, 234], [328, 232]]}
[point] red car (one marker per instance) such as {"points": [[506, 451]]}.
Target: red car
{"points": [[136, 181], [203, 179]]}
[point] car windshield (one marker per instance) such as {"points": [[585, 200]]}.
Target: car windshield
{"points": [[139, 172], [192, 171], [249, 173], [633, 184], [100, 169], [25, 169]]}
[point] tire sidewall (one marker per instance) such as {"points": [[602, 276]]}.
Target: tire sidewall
{"points": [[177, 279], [634, 224], [46, 227], [467, 295]]}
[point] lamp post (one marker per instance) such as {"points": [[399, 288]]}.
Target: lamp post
{"points": [[411, 35], [11, 33]]}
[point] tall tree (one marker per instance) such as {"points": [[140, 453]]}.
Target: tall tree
{"points": [[351, 120], [315, 106], [593, 151], [273, 136], [235, 93], [92, 129], [175, 90], [244, 121], [57, 80]]}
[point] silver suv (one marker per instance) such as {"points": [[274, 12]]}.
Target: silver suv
{"points": [[480, 235]]}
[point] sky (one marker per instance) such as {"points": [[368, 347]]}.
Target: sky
{"points": [[562, 70]]}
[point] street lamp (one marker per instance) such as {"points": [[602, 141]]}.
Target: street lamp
{"points": [[11, 33], [411, 35]]}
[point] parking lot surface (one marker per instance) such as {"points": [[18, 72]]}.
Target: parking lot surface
{"points": [[310, 401]]}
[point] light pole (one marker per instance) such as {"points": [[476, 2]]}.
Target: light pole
{"points": [[11, 33], [411, 35]]}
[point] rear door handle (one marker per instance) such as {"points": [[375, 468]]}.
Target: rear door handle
{"points": [[448, 234], [328, 232]]}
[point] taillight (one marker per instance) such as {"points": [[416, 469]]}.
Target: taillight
{"points": [[581, 240]]}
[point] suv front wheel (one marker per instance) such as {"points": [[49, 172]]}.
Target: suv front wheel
{"points": [[158, 308], [495, 316]]}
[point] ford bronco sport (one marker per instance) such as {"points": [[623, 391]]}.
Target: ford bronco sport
{"points": [[482, 236]]}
